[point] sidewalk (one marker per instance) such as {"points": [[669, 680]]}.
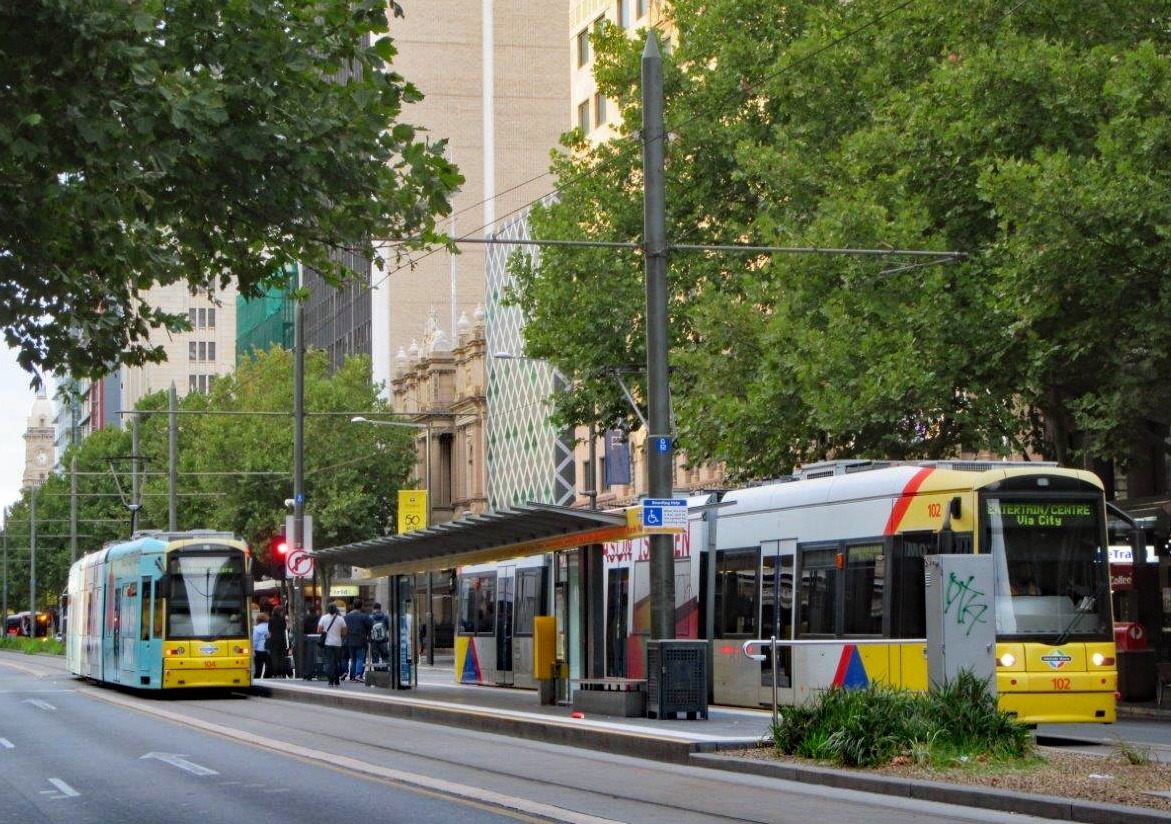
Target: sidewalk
{"points": [[518, 713]]}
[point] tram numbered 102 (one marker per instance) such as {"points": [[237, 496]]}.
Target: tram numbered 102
{"points": [[163, 610], [833, 556]]}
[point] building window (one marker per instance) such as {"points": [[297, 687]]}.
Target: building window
{"points": [[202, 319], [583, 47], [583, 116], [639, 8], [210, 382], [203, 383], [191, 350], [623, 15], [211, 350], [599, 109], [191, 317], [211, 318], [191, 383]]}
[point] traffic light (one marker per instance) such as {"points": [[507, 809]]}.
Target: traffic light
{"points": [[278, 553]]}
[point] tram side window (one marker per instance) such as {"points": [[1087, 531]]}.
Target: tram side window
{"points": [[865, 583], [528, 600], [477, 603], [819, 592], [736, 593], [144, 617], [908, 610]]}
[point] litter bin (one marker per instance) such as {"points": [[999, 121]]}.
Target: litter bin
{"points": [[313, 662], [1137, 675], [676, 678]]}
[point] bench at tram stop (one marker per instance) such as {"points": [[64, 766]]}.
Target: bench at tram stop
{"points": [[625, 697]]}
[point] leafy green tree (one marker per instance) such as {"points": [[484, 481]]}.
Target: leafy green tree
{"points": [[1032, 139], [234, 469], [235, 453], [103, 490], [199, 143]]}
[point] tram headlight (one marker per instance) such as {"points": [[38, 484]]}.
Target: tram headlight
{"points": [[1101, 660], [1007, 660]]}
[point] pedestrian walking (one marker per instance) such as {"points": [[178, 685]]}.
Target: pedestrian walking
{"points": [[260, 659], [278, 643], [358, 625], [333, 627]]}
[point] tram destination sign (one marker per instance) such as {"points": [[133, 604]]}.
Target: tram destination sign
{"points": [[1042, 514], [661, 515]]}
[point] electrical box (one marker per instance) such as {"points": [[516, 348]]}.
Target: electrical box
{"points": [[961, 617]]}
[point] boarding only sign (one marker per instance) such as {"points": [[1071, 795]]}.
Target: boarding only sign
{"points": [[664, 515]]}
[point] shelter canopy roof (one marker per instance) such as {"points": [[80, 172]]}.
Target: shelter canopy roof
{"points": [[496, 536]]}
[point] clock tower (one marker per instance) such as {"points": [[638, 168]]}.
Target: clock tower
{"points": [[38, 442]]}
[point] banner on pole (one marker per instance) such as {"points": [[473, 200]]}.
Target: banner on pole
{"points": [[412, 510]]}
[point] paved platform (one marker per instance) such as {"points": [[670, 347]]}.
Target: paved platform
{"points": [[701, 742]]}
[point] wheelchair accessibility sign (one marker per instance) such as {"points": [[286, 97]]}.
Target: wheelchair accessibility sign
{"points": [[664, 515]]}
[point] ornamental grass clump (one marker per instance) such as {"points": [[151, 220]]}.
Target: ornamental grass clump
{"points": [[957, 722]]}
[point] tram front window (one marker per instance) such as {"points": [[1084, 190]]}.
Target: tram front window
{"points": [[206, 596], [1051, 569]]}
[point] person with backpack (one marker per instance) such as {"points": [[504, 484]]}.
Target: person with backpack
{"points": [[358, 625], [379, 637]]}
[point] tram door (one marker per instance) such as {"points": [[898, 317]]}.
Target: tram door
{"points": [[776, 617], [505, 628]]}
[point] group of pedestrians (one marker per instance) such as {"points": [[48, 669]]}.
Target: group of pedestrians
{"points": [[270, 645], [347, 638]]}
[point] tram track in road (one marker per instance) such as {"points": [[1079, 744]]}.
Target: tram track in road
{"points": [[554, 780]]}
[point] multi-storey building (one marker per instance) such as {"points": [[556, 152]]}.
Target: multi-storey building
{"points": [[194, 359]]}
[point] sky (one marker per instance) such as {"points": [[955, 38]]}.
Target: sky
{"points": [[16, 399]]}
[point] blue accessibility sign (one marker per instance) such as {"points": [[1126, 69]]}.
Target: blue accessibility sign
{"points": [[664, 514]]}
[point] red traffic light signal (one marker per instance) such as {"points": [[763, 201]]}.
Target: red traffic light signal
{"points": [[280, 547]]}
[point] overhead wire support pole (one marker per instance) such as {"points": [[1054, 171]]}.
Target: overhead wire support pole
{"points": [[659, 442], [172, 460], [72, 510], [299, 467]]}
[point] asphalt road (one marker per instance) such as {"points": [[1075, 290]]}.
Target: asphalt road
{"points": [[72, 752]]}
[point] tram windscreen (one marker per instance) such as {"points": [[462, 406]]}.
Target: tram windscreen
{"points": [[1051, 568], [206, 596]]}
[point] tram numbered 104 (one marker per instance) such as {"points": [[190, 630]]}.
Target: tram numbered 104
{"points": [[163, 610]]}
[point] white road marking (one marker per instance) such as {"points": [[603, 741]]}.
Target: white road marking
{"points": [[422, 782], [63, 788], [176, 760], [37, 702], [6, 744]]}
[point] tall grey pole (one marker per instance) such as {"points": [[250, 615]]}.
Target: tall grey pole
{"points": [[4, 608], [592, 490], [72, 510], [172, 460], [298, 616], [32, 561], [135, 506], [660, 451]]}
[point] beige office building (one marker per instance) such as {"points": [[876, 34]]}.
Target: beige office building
{"points": [[494, 76], [194, 359]]}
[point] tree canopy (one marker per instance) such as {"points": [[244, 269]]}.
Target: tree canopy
{"points": [[234, 469], [156, 143], [1033, 139]]}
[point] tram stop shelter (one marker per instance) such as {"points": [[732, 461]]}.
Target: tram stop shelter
{"points": [[511, 533]]}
